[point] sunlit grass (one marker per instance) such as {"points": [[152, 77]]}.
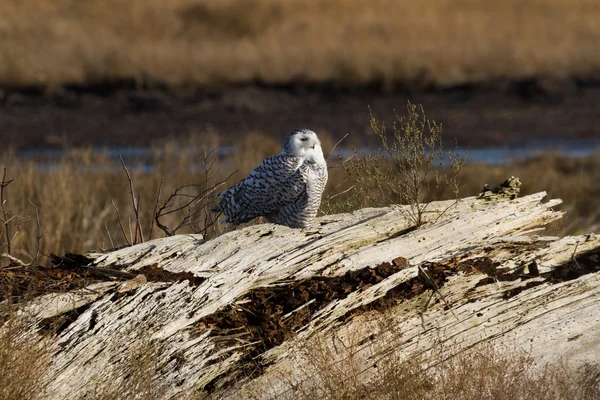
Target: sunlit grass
{"points": [[74, 194], [212, 43]]}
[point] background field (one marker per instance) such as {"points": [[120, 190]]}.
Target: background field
{"points": [[214, 43]]}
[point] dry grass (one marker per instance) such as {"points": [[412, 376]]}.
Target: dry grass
{"points": [[212, 43], [333, 369], [74, 195], [24, 357], [571, 179], [139, 376]]}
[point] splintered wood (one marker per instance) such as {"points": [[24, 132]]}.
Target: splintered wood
{"points": [[231, 312]]}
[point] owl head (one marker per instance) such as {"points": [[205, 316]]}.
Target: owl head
{"points": [[302, 143]]}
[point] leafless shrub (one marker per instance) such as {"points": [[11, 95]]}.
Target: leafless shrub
{"points": [[192, 202], [408, 168], [10, 221], [135, 204]]}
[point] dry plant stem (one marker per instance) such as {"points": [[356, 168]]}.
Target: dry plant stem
{"points": [[14, 260], [120, 223], [5, 219], [139, 235], [336, 145], [112, 243], [191, 206], [573, 255], [39, 234], [436, 290], [156, 205], [130, 231]]}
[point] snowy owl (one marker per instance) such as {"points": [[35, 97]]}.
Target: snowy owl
{"points": [[285, 188]]}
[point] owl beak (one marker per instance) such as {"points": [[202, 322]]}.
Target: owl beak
{"points": [[313, 146]]}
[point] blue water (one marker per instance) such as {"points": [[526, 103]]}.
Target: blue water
{"points": [[142, 157], [510, 154]]}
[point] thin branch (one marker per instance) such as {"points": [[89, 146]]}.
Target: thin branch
{"points": [[336, 145], [130, 231], [5, 219], [340, 193], [574, 254], [437, 290], [112, 243], [14, 259], [156, 205], [120, 223], [134, 202], [39, 234], [138, 222]]}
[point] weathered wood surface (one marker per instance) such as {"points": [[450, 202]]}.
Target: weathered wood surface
{"points": [[554, 318]]}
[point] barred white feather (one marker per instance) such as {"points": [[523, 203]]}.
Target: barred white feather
{"points": [[285, 188]]}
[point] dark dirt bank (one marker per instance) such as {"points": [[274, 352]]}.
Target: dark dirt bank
{"points": [[492, 114]]}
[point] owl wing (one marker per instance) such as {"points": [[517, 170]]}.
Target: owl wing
{"points": [[278, 181]]}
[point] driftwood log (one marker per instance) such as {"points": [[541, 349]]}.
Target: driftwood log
{"points": [[230, 313]]}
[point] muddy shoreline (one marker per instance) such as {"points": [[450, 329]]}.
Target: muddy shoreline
{"points": [[486, 115]]}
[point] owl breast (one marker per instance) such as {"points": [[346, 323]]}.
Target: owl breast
{"points": [[302, 213]]}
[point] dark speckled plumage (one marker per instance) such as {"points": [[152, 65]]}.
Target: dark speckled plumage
{"points": [[285, 188]]}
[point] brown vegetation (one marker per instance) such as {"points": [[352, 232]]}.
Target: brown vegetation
{"points": [[184, 42], [74, 195], [24, 357], [334, 371], [87, 200]]}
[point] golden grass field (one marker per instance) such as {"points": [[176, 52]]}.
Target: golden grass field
{"points": [[213, 43], [73, 196]]}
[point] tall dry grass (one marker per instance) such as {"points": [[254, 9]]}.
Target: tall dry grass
{"points": [[25, 356], [74, 194], [181, 42], [334, 368]]}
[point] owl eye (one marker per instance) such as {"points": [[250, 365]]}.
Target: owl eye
{"points": [[304, 139]]}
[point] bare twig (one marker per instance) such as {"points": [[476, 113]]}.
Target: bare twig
{"points": [[139, 234], [574, 254], [120, 223], [333, 196], [190, 204], [14, 259], [112, 243], [135, 203], [5, 218], [156, 205], [437, 290], [39, 234], [336, 145], [130, 231]]}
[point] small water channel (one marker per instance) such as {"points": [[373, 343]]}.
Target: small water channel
{"points": [[142, 157]]}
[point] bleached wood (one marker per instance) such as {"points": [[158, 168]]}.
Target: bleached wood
{"points": [[94, 348]]}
